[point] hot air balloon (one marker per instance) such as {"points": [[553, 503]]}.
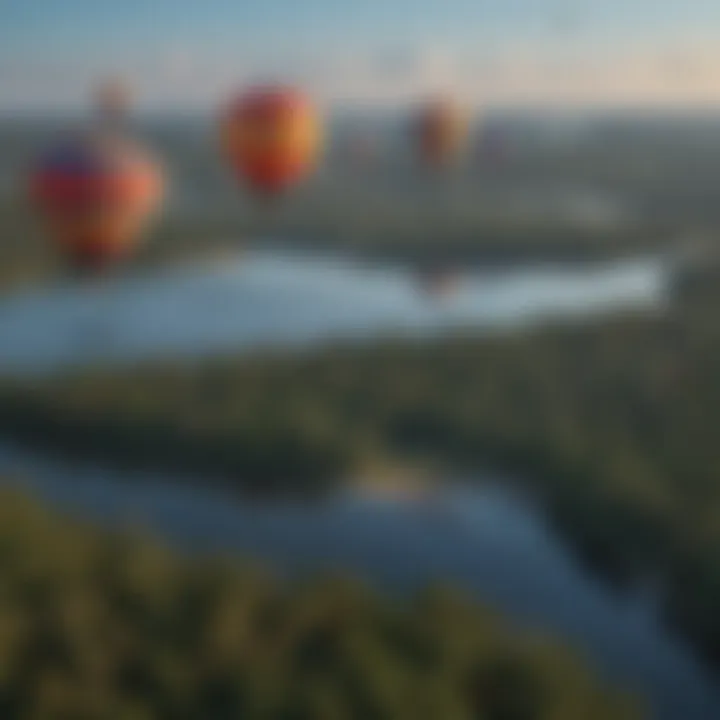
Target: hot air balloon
{"points": [[271, 136], [440, 130], [112, 100], [96, 191]]}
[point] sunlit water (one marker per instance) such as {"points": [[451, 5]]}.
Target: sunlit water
{"points": [[481, 538], [265, 299]]}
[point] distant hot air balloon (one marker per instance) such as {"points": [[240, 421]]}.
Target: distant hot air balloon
{"points": [[96, 192], [440, 132], [112, 100], [271, 136]]}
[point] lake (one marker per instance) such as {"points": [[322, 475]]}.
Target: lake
{"points": [[270, 299]]}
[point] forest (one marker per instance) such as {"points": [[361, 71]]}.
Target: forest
{"points": [[112, 625]]}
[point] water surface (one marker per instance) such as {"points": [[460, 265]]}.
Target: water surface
{"points": [[270, 298]]}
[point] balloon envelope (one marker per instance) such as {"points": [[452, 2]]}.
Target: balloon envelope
{"points": [[112, 99], [441, 130], [96, 192], [271, 136]]}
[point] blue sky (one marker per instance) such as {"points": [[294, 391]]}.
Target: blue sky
{"points": [[190, 52]]}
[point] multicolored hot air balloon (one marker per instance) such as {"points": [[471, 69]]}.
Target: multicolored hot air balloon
{"points": [[271, 136], [440, 132], [96, 192]]}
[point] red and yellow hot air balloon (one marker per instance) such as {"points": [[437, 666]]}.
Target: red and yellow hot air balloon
{"points": [[96, 192], [271, 136], [440, 132]]}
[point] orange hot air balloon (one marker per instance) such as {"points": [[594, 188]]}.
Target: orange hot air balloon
{"points": [[441, 131], [96, 192], [271, 135]]}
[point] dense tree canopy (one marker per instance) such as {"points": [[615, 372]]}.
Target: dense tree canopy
{"points": [[114, 626]]}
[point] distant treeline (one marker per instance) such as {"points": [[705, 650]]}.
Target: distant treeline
{"points": [[419, 231], [110, 626], [613, 425]]}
